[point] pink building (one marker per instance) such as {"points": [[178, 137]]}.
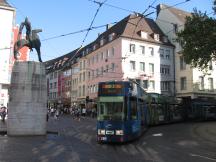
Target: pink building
{"points": [[126, 51]]}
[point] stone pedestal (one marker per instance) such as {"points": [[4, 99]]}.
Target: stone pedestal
{"points": [[28, 98]]}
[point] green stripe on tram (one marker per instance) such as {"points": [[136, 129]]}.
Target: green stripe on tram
{"points": [[111, 99]]}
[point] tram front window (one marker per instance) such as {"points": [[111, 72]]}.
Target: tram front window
{"points": [[111, 111]]}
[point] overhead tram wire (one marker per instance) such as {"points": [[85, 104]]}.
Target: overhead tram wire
{"points": [[77, 51], [79, 31], [120, 8]]}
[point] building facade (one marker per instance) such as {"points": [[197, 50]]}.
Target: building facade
{"points": [[190, 82], [7, 20], [125, 51], [118, 54]]}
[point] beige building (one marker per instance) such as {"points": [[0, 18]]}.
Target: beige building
{"points": [[190, 82]]}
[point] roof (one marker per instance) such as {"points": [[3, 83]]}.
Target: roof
{"points": [[180, 14], [129, 27], [135, 24], [4, 3]]}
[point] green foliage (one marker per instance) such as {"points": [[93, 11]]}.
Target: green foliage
{"points": [[198, 40]]}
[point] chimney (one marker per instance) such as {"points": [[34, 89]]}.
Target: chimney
{"points": [[108, 26], [158, 8]]}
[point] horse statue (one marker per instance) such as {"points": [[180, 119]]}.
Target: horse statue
{"points": [[32, 39]]}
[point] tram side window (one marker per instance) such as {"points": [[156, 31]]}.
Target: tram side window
{"points": [[133, 114]]}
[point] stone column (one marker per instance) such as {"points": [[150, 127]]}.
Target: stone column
{"points": [[28, 98]]}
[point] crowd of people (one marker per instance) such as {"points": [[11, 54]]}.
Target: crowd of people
{"points": [[76, 112]]}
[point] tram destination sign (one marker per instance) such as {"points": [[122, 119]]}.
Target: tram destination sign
{"points": [[111, 89]]}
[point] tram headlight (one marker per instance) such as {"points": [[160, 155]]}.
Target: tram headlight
{"points": [[119, 132], [101, 132]]}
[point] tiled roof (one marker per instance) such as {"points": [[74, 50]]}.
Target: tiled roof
{"points": [[180, 14], [142, 24], [129, 27], [4, 3]]}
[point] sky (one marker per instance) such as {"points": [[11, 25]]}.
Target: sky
{"points": [[63, 17]]}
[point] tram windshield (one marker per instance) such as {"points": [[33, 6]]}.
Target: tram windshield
{"points": [[111, 111]]}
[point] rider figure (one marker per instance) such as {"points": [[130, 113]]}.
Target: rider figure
{"points": [[27, 25]]}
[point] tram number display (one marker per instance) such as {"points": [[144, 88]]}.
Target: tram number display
{"points": [[111, 89]]}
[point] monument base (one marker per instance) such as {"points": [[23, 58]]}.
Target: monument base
{"points": [[28, 99]]}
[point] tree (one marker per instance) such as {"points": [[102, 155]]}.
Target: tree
{"points": [[198, 39]]}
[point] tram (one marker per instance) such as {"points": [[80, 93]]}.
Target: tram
{"points": [[125, 111], [122, 111]]}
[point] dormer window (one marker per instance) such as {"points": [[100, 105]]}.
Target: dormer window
{"points": [[95, 47], [165, 39], [111, 36], [102, 41], [87, 50], [144, 35], [156, 37]]}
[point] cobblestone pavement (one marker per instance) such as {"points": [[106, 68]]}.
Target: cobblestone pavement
{"points": [[70, 140]]}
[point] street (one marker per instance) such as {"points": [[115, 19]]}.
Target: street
{"points": [[71, 140]]}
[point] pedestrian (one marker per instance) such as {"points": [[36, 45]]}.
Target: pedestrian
{"points": [[57, 113], [83, 111]]}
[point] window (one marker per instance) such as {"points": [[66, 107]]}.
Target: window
{"points": [[144, 34], [142, 66], [110, 37], [113, 51], [102, 56], [201, 83], [210, 84], [88, 62], [55, 84], [165, 69], [96, 58], [102, 41], [84, 64], [107, 53], [151, 68], [151, 84], [97, 72], [132, 48], [183, 82], [92, 60], [151, 51], [80, 77], [94, 89], [132, 65], [83, 76], [145, 84], [83, 90], [102, 70], [161, 51], [51, 76], [156, 37], [165, 86], [142, 49], [51, 85], [210, 65], [55, 75], [113, 67], [107, 68], [93, 73], [167, 54], [175, 28], [133, 114], [182, 63], [89, 75], [79, 91], [80, 65]]}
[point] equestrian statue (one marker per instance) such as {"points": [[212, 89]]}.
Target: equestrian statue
{"points": [[32, 39]]}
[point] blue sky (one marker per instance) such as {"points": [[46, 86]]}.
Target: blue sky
{"points": [[62, 17]]}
